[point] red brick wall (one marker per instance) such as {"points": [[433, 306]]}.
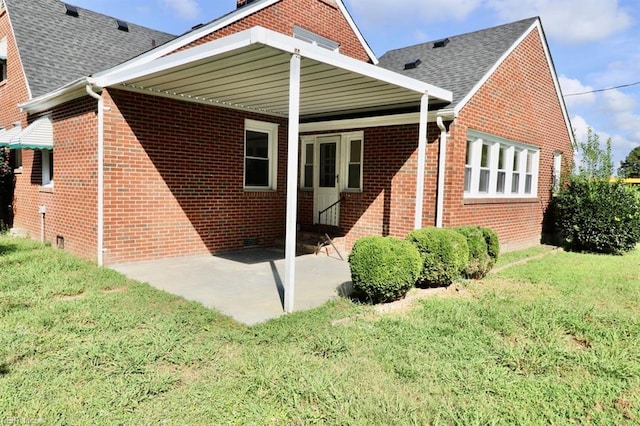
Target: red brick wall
{"points": [[321, 17], [14, 89], [386, 206], [71, 203], [518, 103], [174, 180]]}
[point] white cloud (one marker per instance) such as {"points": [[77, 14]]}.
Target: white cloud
{"points": [[382, 12], [573, 86], [186, 9], [571, 21]]}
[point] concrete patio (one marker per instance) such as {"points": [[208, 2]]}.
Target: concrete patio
{"points": [[246, 285]]}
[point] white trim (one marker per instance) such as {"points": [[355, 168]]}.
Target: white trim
{"points": [[74, 90], [271, 129], [218, 24], [478, 140], [556, 82], [379, 121], [24, 74], [356, 30], [46, 168], [536, 25], [292, 183], [263, 36], [493, 69], [422, 161]]}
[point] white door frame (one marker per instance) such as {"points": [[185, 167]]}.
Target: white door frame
{"points": [[325, 196]]}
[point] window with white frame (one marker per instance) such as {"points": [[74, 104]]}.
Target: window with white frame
{"points": [[260, 155], [3, 59], [47, 167], [497, 167], [308, 150], [353, 162]]}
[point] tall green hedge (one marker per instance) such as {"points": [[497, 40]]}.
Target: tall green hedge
{"points": [[599, 216], [384, 269], [444, 254]]}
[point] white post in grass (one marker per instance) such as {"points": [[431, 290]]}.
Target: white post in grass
{"points": [[422, 160], [292, 182]]}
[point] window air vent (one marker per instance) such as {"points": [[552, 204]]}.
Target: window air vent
{"points": [[71, 10], [412, 65], [440, 43], [122, 25]]}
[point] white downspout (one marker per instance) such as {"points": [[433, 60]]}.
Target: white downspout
{"points": [[422, 159], [100, 153], [442, 163]]}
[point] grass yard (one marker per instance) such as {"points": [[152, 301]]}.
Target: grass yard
{"points": [[554, 341]]}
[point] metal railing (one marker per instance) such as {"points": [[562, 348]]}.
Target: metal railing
{"points": [[331, 214]]}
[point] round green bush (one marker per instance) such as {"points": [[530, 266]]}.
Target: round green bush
{"points": [[444, 254], [493, 245], [599, 216], [478, 261], [384, 269]]}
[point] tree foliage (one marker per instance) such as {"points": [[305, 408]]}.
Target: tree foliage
{"points": [[630, 167], [595, 162]]}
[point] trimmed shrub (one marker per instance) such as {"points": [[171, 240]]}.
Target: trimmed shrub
{"points": [[384, 269], [478, 261], [599, 216], [444, 254], [493, 245]]}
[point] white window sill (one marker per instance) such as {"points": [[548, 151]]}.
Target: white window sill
{"points": [[500, 200], [47, 188]]}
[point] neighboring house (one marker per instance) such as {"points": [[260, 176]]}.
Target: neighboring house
{"points": [[165, 147]]}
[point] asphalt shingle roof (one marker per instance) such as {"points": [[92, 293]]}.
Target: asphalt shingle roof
{"points": [[57, 49], [462, 63]]}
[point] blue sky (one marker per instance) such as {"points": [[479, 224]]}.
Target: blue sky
{"points": [[594, 43]]}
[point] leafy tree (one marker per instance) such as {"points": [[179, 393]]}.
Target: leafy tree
{"points": [[630, 167], [596, 162]]}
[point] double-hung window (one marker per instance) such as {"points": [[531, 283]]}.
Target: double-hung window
{"points": [[47, 167], [353, 161], [260, 155], [3, 59], [499, 168]]}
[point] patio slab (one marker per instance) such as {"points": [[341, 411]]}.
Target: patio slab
{"points": [[246, 285]]}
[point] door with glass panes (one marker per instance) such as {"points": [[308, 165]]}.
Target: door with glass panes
{"points": [[327, 181]]}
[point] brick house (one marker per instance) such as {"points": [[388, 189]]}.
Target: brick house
{"points": [[274, 117]]}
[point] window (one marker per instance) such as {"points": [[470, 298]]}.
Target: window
{"points": [[47, 167], [16, 158], [321, 154], [3, 59], [557, 171], [307, 164], [354, 163], [496, 167], [260, 155]]}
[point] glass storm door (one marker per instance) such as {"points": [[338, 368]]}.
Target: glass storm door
{"points": [[327, 184]]}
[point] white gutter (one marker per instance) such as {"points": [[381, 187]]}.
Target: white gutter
{"points": [[442, 163], [101, 109]]}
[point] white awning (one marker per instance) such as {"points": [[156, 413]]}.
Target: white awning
{"points": [[38, 135], [249, 70], [7, 135]]}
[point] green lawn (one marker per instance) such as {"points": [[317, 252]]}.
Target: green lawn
{"points": [[554, 341]]}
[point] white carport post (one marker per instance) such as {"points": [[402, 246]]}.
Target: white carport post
{"points": [[422, 160], [292, 182]]}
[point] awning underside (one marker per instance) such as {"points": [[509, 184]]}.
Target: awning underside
{"points": [[256, 78], [250, 70], [7, 135]]}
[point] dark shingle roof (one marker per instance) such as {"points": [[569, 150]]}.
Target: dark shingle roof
{"points": [[462, 62], [57, 49]]}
